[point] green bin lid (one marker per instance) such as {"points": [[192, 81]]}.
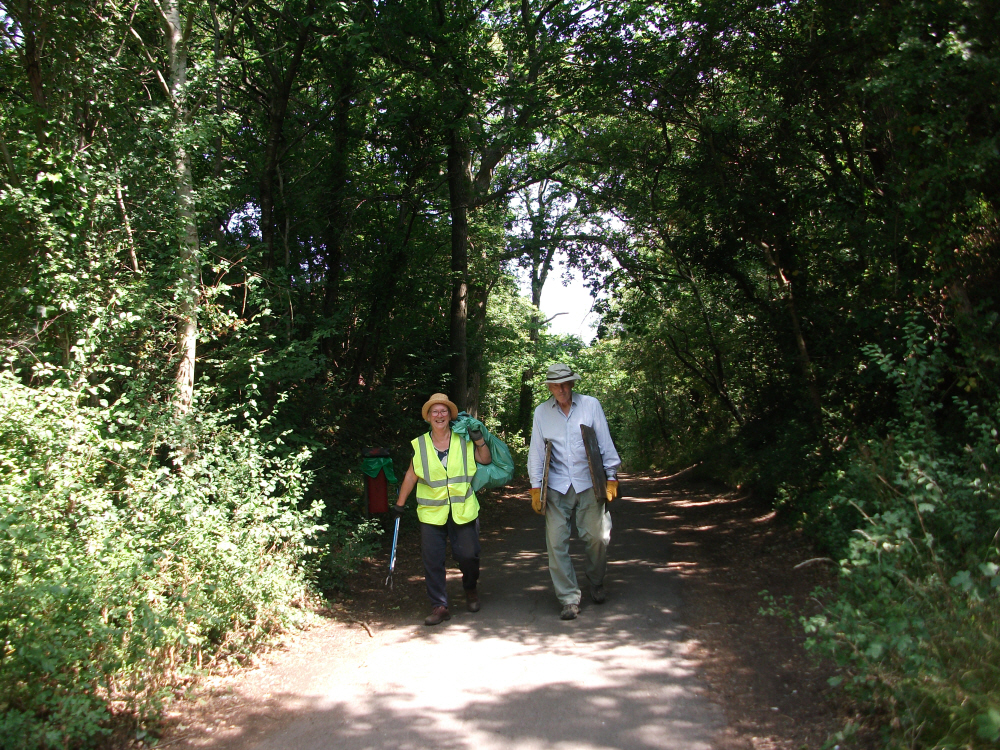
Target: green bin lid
{"points": [[373, 465]]}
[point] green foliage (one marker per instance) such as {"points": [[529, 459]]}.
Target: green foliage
{"points": [[792, 181], [118, 573], [762, 191], [509, 352], [795, 183], [916, 620], [346, 542]]}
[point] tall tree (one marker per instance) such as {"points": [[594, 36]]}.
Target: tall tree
{"points": [[279, 38], [177, 34], [498, 71], [549, 223]]}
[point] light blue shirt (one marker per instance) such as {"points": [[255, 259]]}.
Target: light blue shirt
{"points": [[568, 465]]}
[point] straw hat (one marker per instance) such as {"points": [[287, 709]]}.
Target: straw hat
{"points": [[559, 373], [439, 398]]}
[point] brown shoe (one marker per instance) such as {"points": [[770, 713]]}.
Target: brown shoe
{"points": [[437, 616], [472, 600], [569, 612]]}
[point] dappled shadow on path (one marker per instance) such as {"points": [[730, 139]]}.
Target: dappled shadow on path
{"points": [[558, 714], [513, 675]]}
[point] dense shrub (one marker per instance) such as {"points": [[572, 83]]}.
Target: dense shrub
{"points": [[342, 547], [120, 570], [916, 619]]}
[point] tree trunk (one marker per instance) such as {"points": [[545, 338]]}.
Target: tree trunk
{"points": [[31, 60], [276, 117], [542, 255], [133, 260], [337, 218], [189, 282], [525, 402], [8, 162], [718, 370], [277, 107], [218, 224], [478, 300], [459, 191], [24, 14], [381, 294], [804, 361]]}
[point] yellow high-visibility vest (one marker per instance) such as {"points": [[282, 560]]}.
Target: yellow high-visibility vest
{"points": [[439, 489]]}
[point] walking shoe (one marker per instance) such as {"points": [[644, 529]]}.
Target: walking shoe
{"points": [[472, 600], [437, 616], [598, 594], [569, 612]]}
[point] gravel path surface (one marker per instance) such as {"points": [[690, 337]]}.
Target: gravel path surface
{"points": [[510, 676], [678, 657]]}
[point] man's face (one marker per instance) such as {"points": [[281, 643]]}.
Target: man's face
{"points": [[563, 392]]}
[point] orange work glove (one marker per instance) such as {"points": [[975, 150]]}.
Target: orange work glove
{"points": [[612, 489], [536, 500]]}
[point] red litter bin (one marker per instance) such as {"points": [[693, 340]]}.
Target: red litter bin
{"points": [[376, 464]]}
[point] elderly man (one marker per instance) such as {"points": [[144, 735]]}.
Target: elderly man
{"points": [[570, 488]]}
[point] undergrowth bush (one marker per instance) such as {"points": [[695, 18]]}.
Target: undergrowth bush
{"points": [[120, 570], [916, 618], [344, 544]]}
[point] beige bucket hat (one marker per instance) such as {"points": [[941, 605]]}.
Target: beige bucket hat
{"points": [[560, 373]]}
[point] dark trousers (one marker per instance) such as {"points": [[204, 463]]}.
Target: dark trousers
{"points": [[464, 538]]}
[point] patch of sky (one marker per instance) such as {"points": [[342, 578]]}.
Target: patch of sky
{"points": [[566, 300], [245, 220]]}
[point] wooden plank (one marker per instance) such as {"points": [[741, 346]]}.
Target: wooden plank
{"points": [[545, 473], [595, 461]]}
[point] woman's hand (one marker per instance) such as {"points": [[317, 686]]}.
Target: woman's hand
{"points": [[482, 452]]}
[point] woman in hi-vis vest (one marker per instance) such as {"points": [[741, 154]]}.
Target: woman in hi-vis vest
{"points": [[442, 470]]}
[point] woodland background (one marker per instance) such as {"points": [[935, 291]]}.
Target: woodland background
{"points": [[242, 240]]}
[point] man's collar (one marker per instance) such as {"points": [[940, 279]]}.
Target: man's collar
{"points": [[572, 401]]}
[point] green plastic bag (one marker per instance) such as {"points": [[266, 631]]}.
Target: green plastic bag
{"points": [[372, 465], [493, 475]]}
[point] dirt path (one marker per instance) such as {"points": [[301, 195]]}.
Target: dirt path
{"points": [[676, 658]]}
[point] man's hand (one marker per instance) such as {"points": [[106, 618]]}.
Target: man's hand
{"points": [[397, 510], [612, 489], [536, 500]]}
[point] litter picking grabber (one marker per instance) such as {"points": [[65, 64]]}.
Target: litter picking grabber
{"points": [[392, 556]]}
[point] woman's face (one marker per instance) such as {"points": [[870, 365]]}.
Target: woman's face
{"points": [[440, 416]]}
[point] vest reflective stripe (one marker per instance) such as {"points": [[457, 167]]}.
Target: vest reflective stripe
{"points": [[422, 441], [439, 487]]}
